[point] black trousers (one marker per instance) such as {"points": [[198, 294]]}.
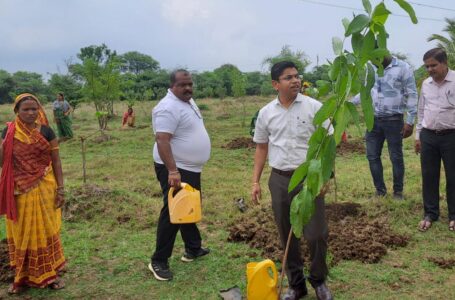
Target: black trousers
{"points": [[167, 232], [315, 233], [434, 148]]}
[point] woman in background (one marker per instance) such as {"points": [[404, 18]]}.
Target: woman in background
{"points": [[62, 110]]}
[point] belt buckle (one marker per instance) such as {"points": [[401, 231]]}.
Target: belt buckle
{"points": [[439, 132]]}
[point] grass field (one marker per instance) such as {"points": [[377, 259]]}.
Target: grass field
{"points": [[110, 229]]}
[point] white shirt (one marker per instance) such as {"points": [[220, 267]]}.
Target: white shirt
{"points": [[190, 142], [436, 110], [287, 131]]}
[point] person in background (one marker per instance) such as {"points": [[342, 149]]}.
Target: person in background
{"points": [[31, 194], [182, 147], [283, 129], [62, 110], [128, 118], [393, 94], [435, 136]]}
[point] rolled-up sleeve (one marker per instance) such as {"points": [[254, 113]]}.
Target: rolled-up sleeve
{"points": [[410, 92], [421, 105], [261, 136]]}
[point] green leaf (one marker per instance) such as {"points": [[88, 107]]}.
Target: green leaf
{"points": [[359, 23], [356, 43], [345, 22], [326, 110], [328, 157], [367, 6], [354, 114], [408, 8], [301, 211], [315, 142], [314, 180], [324, 87], [382, 36], [371, 78], [365, 97], [336, 67], [367, 47], [380, 14], [337, 45], [298, 176], [343, 84], [342, 118]]}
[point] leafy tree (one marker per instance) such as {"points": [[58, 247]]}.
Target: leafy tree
{"points": [[267, 89], [29, 82], [320, 72], [137, 63], [447, 43], [298, 57], [254, 81], [224, 73], [6, 87]]}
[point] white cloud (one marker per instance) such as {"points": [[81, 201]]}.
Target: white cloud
{"points": [[181, 12]]}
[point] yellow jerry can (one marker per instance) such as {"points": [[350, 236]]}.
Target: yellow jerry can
{"points": [[261, 285], [184, 204]]}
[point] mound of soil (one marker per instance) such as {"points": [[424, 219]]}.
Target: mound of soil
{"points": [[83, 203], [6, 273], [442, 263], [351, 147], [352, 234], [240, 143]]}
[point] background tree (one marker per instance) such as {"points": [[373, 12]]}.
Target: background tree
{"points": [[224, 73], [447, 43], [30, 82], [298, 57], [68, 85], [6, 87], [137, 63], [238, 90]]}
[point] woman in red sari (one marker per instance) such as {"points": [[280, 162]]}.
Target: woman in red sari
{"points": [[31, 194]]}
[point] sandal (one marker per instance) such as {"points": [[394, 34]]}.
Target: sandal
{"points": [[425, 224], [452, 225], [58, 284]]}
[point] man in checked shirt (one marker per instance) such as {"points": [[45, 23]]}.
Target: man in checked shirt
{"points": [[393, 94], [435, 136]]}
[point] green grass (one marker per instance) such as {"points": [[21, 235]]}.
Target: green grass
{"points": [[107, 258]]}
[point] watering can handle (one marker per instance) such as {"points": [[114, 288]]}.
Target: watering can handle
{"points": [[271, 265], [170, 194]]}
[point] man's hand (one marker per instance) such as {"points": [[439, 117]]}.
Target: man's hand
{"points": [[407, 130], [256, 193], [174, 179], [417, 146]]}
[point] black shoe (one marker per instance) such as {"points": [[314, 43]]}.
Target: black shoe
{"points": [[323, 292], [380, 193], [398, 195], [161, 271], [295, 293], [189, 256]]}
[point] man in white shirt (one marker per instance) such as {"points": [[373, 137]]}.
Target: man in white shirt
{"points": [[282, 132], [182, 147], [435, 136]]}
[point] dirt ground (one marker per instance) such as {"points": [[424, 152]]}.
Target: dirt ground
{"points": [[6, 274], [240, 143], [352, 234], [442, 263], [352, 146]]}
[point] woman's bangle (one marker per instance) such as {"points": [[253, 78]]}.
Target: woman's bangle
{"points": [[174, 172], [255, 183]]}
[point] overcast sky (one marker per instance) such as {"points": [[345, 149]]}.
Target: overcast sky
{"points": [[39, 35]]}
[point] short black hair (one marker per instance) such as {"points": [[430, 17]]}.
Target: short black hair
{"points": [[174, 74], [279, 67], [437, 53]]}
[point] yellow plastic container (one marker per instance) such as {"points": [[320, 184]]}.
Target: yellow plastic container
{"points": [[184, 205], [261, 285]]}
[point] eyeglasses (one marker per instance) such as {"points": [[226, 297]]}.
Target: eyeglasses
{"points": [[290, 77]]}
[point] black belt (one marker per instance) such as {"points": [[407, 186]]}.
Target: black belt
{"points": [[396, 117], [440, 132], [283, 173]]}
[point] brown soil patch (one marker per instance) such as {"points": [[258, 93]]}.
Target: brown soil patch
{"points": [[442, 263], [351, 147], [6, 273], [240, 143], [352, 234], [83, 202]]}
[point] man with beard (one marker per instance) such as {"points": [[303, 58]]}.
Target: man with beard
{"points": [[182, 147], [283, 129], [435, 136]]}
